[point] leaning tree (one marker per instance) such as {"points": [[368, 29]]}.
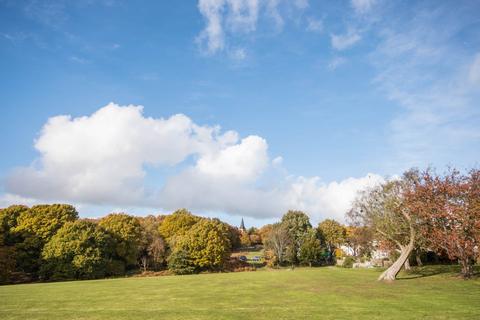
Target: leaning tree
{"points": [[382, 210]]}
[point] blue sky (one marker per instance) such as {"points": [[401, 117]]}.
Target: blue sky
{"points": [[324, 98]]}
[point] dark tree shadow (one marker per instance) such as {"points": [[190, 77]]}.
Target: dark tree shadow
{"points": [[432, 270]]}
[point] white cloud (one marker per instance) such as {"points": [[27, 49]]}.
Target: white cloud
{"points": [[301, 4], [243, 15], [319, 199], [243, 161], [474, 70], [9, 199], [345, 41], [213, 32], [438, 117], [362, 6], [336, 62], [101, 159], [273, 12], [314, 25], [238, 54], [236, 18]]}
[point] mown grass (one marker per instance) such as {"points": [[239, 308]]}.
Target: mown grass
{"points": [[318, 293]]}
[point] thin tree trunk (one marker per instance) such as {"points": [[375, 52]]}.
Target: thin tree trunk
{"points": [[467, 269], [419, 260], [406, 265], [391, 273]]}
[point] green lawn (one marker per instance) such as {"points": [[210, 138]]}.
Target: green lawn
{"points": [[319, 293]]}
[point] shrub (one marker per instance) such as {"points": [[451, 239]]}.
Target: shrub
{"points": [[348, 262]]}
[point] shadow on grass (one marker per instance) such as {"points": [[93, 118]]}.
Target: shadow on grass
{"points": [[432, 270]]}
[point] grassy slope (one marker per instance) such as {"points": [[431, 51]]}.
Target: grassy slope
{"points": [[322, 293]]}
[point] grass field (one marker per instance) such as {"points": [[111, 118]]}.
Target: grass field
{"points": [[319, 293]]}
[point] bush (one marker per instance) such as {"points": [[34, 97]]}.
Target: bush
{"points": [[179, 263], [348, 262]]}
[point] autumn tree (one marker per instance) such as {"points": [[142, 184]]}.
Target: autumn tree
{"points": [[177, 224], [234, 235], [263, 233], [44, 220], [332, 233], [8, 239], [245, 239], [34, 228], [311, 248], [382, 209], [360, 239], [79, 250], [448, 210], [126, 232], [206, 245], [152, 248], [278, 241]]}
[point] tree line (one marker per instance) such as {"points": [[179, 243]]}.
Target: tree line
{"points": [[51, 242], [408, 216]]}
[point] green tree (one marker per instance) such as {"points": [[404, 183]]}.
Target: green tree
{"points": [[297, 225], [332, 233], [206, 244], [35, 227], [79, 250], [179, 262], [311, 249], [234, 235], [44, 220], [8, 221], [126, 232], [177, 224]]}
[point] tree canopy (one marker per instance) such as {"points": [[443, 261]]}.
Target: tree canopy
{"points": [[79, 250]]}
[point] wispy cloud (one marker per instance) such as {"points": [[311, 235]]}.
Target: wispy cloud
{"points": [[345, 41], [431, 78], [336, 62], [314, 25], [362, 6], [236, 18]]}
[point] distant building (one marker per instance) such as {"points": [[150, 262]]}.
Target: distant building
{"points": [[242, 226]]}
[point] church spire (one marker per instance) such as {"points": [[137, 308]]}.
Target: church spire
{"points": [[242, 226]]}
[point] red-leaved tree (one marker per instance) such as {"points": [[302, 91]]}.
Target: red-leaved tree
{"points": [[447, 209]]}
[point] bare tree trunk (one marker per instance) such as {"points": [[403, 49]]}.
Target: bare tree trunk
{"points": [[467, 269], [391, 273], [406, 265], [419, 260]]}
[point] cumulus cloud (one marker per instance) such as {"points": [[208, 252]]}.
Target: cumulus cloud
{"points": [[345, 41], [105, 159], [101, 158]]}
